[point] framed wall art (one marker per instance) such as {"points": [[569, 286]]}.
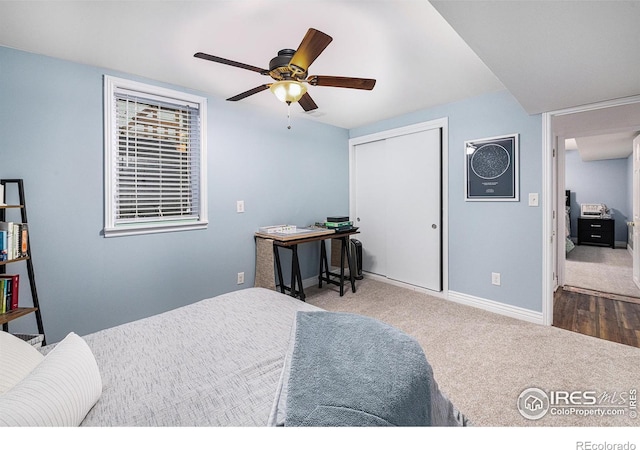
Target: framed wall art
{"points": [[492, 169]]}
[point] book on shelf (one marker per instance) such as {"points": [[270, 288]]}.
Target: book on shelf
{"points": [[3, 245], [14, 240], [23, 240], [5, 295], [6, 244], [11, 288]]}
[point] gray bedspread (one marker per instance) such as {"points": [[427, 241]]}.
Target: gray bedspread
{"points": [[349, 370], [225, 361], [216, 362]]}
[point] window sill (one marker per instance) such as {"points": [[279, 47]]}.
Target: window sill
{"points": [[152, 229]]}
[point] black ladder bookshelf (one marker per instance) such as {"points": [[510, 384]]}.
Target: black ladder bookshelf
{"points": [[14, 314]]}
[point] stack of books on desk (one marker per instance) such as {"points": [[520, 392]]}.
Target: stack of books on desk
{"points": [[338, 224]]}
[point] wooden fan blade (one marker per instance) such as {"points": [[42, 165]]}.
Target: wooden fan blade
{"points": [[307, 102], [246, 94], [343, 82], [230, 63], [313, 43]]}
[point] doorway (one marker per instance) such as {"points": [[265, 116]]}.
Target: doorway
{"points": [[599, 191], [605, 118]]}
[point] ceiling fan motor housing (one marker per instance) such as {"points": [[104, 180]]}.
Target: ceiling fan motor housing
{"points": [[279, 68]]}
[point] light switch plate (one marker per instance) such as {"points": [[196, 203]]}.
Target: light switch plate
{"points": [[533, 199]]}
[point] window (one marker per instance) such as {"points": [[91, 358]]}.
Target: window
{"points": [[155, 178]]}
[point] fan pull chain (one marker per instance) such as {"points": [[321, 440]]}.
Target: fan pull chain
{"points": [[288, 115]]}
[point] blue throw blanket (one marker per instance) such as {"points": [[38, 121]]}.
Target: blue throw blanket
{"points": [[350, 370]]}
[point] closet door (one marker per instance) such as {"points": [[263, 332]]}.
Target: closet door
{"points": [[398, 207], [413, 188], [371, 200]]}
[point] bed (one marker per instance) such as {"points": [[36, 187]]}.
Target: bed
{"points": [[253, 357]]}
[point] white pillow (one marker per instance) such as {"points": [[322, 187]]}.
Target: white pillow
{"points": [[17, 360], [60, 391]]}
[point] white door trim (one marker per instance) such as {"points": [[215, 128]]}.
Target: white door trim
{"points": [[442, 124], [550, 197], [635, 200]]}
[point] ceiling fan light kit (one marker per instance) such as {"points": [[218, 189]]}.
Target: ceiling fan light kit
{"points": [[288, 91], [289, 69]]}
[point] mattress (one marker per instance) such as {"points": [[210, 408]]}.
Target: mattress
{"points": [[216, 362], [232, 361]]}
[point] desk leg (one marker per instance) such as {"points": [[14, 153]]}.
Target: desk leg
{"points": [[346, 253], [296, 276], [342, 253], [347, 248], [324, 263], [294, 263], [276, 255]]}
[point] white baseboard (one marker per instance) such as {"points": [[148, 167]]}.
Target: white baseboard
{"points": [[439, 294], [496, 307], [620, 244], [469, 300]]}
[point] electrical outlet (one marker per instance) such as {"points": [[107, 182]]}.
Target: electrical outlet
{"points": [[495, 278], [240, 206], [240, 277]]}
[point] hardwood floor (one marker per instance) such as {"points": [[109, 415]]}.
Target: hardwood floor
{"points": [[598, 316]]}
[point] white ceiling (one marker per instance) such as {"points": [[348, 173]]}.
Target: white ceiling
{"points": [[553, 55], [619, 145], [415, 56], [603, 133], [550, 54]]}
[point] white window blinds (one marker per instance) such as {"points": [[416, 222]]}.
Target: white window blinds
{"points": [[155, 162]]}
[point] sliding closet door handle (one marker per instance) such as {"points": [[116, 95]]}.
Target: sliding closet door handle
{"points": [[434, 226]]}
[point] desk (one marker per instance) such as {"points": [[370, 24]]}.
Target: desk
{"points": [[292, 241]]}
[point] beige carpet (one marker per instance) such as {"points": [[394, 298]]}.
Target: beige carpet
{"points": [[602, 269], [483, 361]]}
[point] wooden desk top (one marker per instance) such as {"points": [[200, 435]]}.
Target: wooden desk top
{"points": [[303, 236]]}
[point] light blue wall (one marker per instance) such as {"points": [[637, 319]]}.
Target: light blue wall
{"points": [[51, 124], [487, 237], [605, 181]]}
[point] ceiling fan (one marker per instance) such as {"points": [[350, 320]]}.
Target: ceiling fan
{"points": [[290, 68]]}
